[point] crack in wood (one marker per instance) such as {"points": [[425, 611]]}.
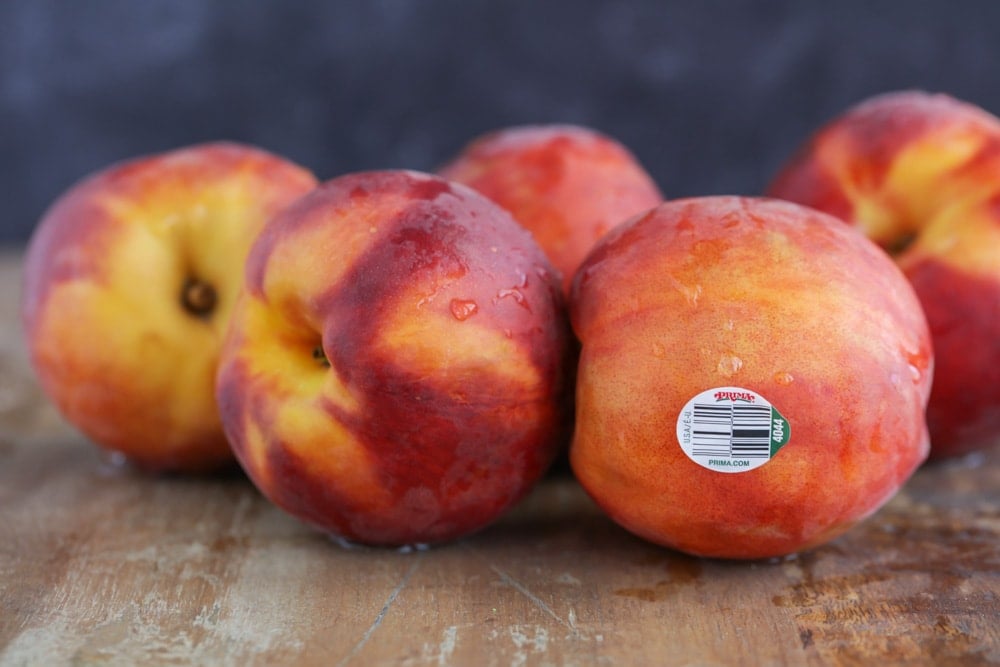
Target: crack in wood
{"points": [[381, 615], [523, 590]]}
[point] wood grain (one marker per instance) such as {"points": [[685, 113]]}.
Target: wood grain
{"points": [[100, 564]]}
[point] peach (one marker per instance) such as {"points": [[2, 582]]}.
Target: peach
{"points": [[129, 280], [752, 379], [920, 175], [396, 370], [567, 185]]}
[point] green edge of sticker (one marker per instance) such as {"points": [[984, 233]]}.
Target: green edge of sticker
{"points": [[781, 431]]}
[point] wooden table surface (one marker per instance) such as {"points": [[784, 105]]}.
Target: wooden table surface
{"points": [[100, 564]]}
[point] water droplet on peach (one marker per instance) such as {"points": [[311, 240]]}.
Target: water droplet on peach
{"points": [[729, 365], [515, 294], [915, 373], [463, 309], [691, 294], [784, 378]]}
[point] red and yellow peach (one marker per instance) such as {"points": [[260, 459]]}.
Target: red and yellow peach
{"points": [[745, 305], [920, 175], [396, 369], [128, 284]]}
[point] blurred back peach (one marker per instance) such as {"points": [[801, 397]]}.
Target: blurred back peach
{"points": [[920, 175], [568, 185]]}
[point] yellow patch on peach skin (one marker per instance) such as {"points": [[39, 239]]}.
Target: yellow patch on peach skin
{"points": [[145, 284], [330, 452], [429, 340], [280, 353], [873, 211], [921, 175], [277, 356], [208, 233], [131, 326], [254, 450], [964, 236], [139, 358], [315, 256], [920, 181]]}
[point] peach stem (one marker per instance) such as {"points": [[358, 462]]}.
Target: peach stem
{"points": [[198, 298]]}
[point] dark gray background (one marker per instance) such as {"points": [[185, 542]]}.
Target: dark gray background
{"points": [[711, 96]]}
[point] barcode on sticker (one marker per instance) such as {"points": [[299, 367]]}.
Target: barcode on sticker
{"points": [[752, 431], [731, 429], [712, 430], [741, 431]]}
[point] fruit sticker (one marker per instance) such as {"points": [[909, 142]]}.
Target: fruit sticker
{"points": [[731, 429]]}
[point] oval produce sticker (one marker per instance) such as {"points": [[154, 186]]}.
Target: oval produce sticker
{"points": [[731, 429]]}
